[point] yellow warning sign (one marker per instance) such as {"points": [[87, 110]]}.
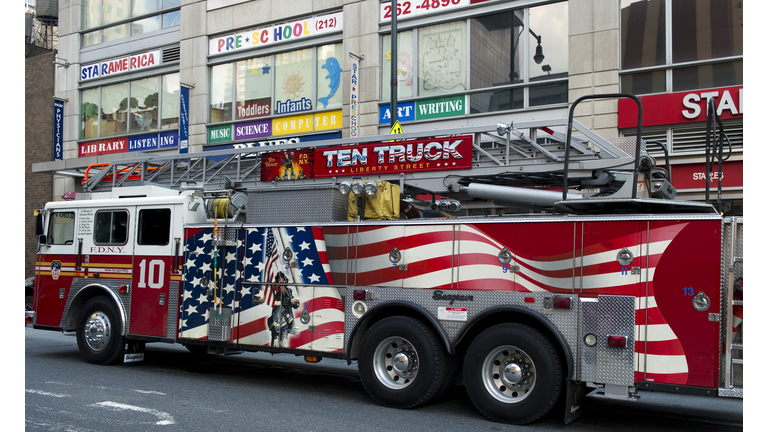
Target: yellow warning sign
{"points": [[396, 128]]}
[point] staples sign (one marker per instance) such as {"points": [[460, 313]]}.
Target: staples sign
{"points": [[683, 107]]}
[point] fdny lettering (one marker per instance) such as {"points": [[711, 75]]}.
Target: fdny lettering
{"points": [[438, 295], [107, 249]]}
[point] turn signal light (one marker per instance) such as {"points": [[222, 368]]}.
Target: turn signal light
{"points": [[123, 289], [312, 359], [617, 341], [359, 294]]}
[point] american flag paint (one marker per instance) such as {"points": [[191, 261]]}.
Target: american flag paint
{"points": [[249, 292]]}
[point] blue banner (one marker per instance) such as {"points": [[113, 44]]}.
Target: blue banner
{"points": [[58, 129], [184, 120], [406, 111]]}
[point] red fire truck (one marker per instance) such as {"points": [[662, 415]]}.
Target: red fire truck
{"points": [[614, 286]]}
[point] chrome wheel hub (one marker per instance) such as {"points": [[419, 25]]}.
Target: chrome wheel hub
{"points": [[97, 331], [395, 362], [509, 375]]}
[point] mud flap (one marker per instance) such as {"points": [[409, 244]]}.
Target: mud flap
{"points": [[134, 352], [574, 400]]}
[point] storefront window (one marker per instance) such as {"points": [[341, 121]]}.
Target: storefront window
{"points": [[146, 25], [143, 7], [329, 60], [143, 113], [496, 50], [643, 33], [706, 29], [170, 108], [443, 59], [405, 66], [171, 19], [114, 110], [293, 81], [97, 13], [91, 13], [221, 93], [708, 76], [114, 10], [89, 114], [254, 88], [496, 55], [130, 108], [644, 82], [91, 38], [702, 31], [114, 33], [499, 100], [548, 44]]}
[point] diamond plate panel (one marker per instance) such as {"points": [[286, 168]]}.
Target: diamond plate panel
{"points": [[113, 285], [476, 303], [731, 241], [616, 317], [587, 370], [219, 328], [173, 309], [317, 204]]}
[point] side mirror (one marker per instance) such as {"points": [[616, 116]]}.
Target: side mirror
{"points": [[39, 225], [42, 239]]}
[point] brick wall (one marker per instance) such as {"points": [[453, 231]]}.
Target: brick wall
{"points": [[38, 140]]}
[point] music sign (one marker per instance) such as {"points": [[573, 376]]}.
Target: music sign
{"points": [[435, 154]]}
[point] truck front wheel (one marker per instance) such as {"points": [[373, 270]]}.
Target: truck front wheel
{"points": [[512, 373], [402, 363], [99, 332]]}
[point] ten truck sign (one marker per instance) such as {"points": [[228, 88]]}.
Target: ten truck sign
{"points": [[120, 65], [682, 107], [435, 154]]}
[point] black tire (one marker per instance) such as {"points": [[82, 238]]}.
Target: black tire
{"points": [[402, 363], [28, 303], [513, 374], [99, 332]]}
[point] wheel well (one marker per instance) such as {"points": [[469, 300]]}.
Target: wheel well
{"points": [[391, 309], [81, 298], [507, 315]]}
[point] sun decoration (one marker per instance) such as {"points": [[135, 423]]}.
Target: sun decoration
{"points": [[293, 84]]}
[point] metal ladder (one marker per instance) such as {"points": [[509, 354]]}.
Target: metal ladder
{"points": [[733, 364]]}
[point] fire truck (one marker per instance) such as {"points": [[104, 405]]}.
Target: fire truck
{"points": [[352, 250]]}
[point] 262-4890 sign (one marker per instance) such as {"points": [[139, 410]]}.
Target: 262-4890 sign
{"points": [[407, 9]]}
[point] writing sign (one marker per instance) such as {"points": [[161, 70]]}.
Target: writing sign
{"points": [[120, 65]]}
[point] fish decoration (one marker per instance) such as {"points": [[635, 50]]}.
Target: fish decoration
{"points": [[334, 73]]}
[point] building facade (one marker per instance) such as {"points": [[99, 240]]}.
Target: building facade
{"points": [[145, 77]]}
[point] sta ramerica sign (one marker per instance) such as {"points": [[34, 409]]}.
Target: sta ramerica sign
{"points": [[683, 107]]}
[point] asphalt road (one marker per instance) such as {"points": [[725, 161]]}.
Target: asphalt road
{"points": [[172, 390]]}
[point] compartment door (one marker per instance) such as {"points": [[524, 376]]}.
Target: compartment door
{"points": [[153, 266]]}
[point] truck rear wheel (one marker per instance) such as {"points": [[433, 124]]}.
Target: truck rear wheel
{"points": [[99, 332], [402, 363], [512, 374]]}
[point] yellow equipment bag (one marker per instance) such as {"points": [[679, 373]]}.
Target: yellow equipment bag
{"points": [[385, 205]]}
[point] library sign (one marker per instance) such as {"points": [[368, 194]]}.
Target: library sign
{"points": [[129, 144]]}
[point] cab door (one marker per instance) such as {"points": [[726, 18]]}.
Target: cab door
{"points": [[153, 268]]}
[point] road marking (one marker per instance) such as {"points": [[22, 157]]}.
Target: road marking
{"points": [[165, 418], [46, 393], [150, 392]]}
